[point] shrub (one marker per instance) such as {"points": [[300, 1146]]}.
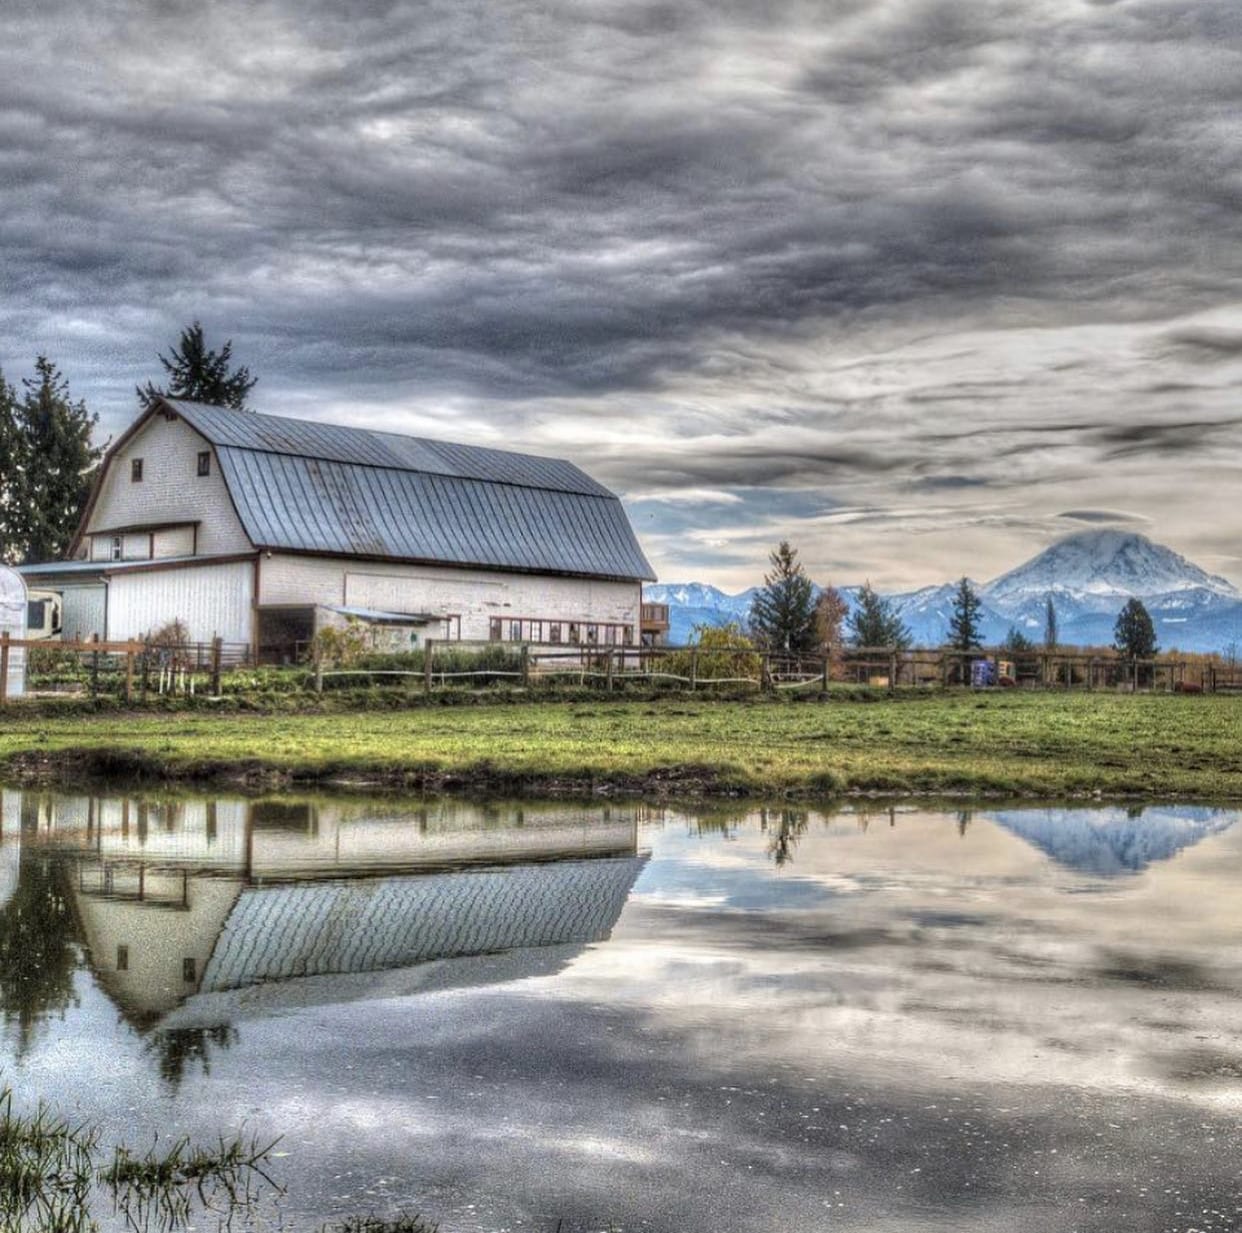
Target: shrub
{"points": [[723, 652]]}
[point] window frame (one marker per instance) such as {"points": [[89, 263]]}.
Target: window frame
{"points": [[135, 471], [203, 464]]}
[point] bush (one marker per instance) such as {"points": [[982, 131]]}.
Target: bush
{"points": [[723, 653]]}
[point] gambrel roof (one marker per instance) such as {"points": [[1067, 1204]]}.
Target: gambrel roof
{"points": [[302, 486]]}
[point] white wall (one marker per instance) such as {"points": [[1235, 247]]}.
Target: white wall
{"points": [[209, 599], [476, 595], [171, 490]]}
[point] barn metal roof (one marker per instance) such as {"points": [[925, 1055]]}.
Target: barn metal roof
{"points": [[324, 488]]}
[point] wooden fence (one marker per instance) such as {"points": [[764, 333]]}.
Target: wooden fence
{"points": [[136, 669], [130, 668]]}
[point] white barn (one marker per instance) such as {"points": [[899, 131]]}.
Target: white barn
{"points": [[261, 529]]}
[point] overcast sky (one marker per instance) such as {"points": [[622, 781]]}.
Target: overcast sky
{"points": [[920, 285]]}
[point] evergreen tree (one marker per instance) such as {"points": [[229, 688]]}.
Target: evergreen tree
{"points": [[1134, 635], [59, 465], [874, 623], [199, 374], [1016, 642], [830, 613], [782, 614], [1050, 626], [964, 623], [12, 476]]}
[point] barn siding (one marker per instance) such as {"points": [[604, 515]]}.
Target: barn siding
{"points": [[210, 599], [84, 609], [476, 595], [171, 490]]}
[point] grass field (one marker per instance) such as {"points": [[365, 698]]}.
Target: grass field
{"points": [[1046, 744]]}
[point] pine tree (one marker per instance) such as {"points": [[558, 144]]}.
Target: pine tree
{"points": [[1016, 642], [12, 476], [874, 623], [1050, 626], [59, 465], [199, 374], [782, 614], [964, 623], [1134, 635]]}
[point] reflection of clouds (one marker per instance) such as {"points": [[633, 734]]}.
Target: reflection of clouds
{"points": [[963, 1041]]}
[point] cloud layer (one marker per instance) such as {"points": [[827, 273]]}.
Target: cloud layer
{"points": [[953, 268]]}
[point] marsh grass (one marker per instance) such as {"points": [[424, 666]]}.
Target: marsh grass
{"points": [[52, 1178]]}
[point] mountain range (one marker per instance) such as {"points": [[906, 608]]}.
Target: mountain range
{"points": [[1089, 577]]}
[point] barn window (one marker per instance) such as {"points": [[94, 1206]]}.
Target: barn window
{"points": [[204, 462], [188, 970], [573, 632], [628, 635], [118, 548], [592, 635], [122, 958], [554, 631], [135, 470], [494, 629], [515, 631]]}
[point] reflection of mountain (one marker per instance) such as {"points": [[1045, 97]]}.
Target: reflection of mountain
{"points": [[1108, 842]]}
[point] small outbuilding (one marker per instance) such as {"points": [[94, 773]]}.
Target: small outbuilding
{"points": [[13, 622]]}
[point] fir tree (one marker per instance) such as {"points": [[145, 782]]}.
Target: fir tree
{"points": [[964, 623], [58, 465], [1016, 642], [1050, 626], [12, 476], [874, 623], [782, 614], [1134, 635], [199, 374]]}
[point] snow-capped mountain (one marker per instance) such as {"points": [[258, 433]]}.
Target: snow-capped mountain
{"points": [[1089, 577], [1096, 568]]}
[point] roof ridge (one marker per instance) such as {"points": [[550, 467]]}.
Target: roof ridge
{"points": [[590, 486]]}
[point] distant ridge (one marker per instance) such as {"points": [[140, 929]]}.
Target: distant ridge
{"points": [[1089, 576]]}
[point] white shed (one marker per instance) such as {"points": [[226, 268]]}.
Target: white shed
{"points": [[13, 623]]}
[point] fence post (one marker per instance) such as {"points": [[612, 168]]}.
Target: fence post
{"points": [[694, 668], [525, 665], [428, 651], [892, 670], [95, 670], [4, 667], [217, 651], [827, 669], [129, 674], [611, 656], [146, 668]]}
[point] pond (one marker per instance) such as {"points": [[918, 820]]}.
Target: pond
{"points": [[527, 1016]]}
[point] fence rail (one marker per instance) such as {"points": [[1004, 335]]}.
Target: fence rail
{"points": [[139, 668]]}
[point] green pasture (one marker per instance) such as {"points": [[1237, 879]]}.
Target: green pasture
{"points": [[1048, 744]]}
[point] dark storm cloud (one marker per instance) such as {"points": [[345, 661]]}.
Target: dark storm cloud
{"points": [[534, 220]]}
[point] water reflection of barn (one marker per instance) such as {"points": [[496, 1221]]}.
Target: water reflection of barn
{"points": [[197, 912]]}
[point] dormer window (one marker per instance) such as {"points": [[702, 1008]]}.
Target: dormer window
{"points": [[204, 462], [135, 471]]}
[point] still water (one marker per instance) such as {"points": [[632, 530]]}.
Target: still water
{"points": [[541, 1016]]}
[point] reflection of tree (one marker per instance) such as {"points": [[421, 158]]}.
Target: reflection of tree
{"points": [[784, 827], [37, 956], [175, 1051]]}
